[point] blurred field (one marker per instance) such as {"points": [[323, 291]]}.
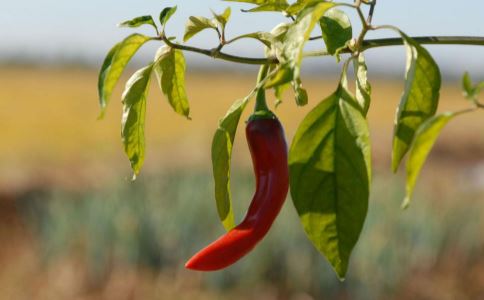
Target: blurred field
{"points": [[74, 227]]}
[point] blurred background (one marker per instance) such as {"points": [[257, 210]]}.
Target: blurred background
{"points": [[73, 226]]}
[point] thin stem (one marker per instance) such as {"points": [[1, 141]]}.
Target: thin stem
{"points": [[366, 44], [216, 53], [429, 40]]}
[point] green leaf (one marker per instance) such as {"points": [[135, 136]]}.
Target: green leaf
{"points": [[290, 56], [134, 111], [425, 138], [170, 71], [139, 21], [224, 17], [363, 87], [330, 172], [467, 86], [222, 144], [166, 14], [197, 24], [336, 29], [264, 37], [114, 65], [259, 2], [268, 7], [419, 100], [300, 93]]}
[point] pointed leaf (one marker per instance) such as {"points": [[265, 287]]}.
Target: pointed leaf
{"points": [[330, 171], [420, 97], [425, 138], [114, 65], [170, 71], [133, 122], [222, 144], [224, 17], [195, 25], [139, 21], [166, 14], [269, 7], [363, 87], [336, 29]]}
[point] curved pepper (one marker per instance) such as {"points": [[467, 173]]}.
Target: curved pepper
{"points": [[268, 149]]}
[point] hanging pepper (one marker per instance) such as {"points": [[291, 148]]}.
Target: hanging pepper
{"points": [[267, 144]]}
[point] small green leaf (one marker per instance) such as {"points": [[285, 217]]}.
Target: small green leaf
{"points": [[197, 24], [363, 87], [467, 86], [224, 17], [300, 93], [137, 22], [166, 14], [336, 29], [133, 122], [264, 37], [420, 98], [269, 7], [222, 145], [259, 2], [425, 138], [170, 71], [114, 65], [290, 54], [330, 172]]}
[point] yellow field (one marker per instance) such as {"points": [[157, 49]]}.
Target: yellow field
{"points": [[49, 122]]}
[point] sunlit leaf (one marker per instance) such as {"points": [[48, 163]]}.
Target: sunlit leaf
{"points": [[133, 122], [114, 65], [420, 97], [290, 56], [425, 138], [222, 144], [363, 87], [336, 29], [170, 71], [197, 24], [223, 18], [330, 171]]}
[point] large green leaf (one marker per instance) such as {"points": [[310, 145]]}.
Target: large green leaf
{"points": [[330, 172], [133, 122], [170, 71], [420, 97], [222, 144], [336, 29], [363, 87], [425, 138], [197, 24], [290, 54], [114, 65], [269, 7]]}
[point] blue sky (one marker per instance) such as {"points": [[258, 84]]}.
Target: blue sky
{"points": [[52, 29]]}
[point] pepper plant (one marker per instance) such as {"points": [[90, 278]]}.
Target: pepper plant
{"points": [[329, 159]]}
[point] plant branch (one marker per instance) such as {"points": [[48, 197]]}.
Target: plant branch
{"points": [[366, 44], [216, 53], [425, 40]]}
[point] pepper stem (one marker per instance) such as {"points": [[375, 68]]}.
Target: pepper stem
{"points": [[261, 110]]}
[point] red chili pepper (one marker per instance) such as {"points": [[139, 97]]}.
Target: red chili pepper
{"points": [[269, 157]]}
